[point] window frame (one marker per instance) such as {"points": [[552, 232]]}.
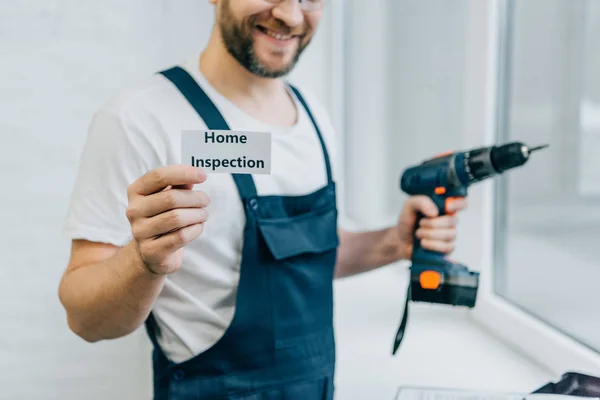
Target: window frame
{"points": [[538, 340]]}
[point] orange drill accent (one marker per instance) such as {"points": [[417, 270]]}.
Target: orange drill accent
{"points": [[430, 280], [440, 190], [445, 153]]}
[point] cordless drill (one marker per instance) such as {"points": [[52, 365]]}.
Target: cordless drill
{"points": [[433, 277]]}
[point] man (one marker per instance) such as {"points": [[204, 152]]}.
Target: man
{"points": [[232, 274]]}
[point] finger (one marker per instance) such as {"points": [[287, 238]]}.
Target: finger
{"points": [[438, 246], [456, 204], [168, 222], [168, 200], [160, 178], [421, 204], [443, 234], [446, 221], [160, 248]]}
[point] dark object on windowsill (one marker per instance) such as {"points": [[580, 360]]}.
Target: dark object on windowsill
{"points": [[573, 384]]}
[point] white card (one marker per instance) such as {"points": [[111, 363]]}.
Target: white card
{"points": [[238, 152]]}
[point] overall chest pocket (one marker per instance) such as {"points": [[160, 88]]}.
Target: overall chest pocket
{"points": [[304, 250]]}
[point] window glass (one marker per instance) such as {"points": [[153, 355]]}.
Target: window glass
{"points": [[547, 258]]}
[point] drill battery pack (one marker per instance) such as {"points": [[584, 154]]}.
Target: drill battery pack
{"points": [[451, 284], [438, 282]]}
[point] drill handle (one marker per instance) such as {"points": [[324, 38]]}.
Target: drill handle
{"points": [[419, 254]]}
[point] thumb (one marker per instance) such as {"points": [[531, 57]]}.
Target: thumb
{"points": [[422, 204]]}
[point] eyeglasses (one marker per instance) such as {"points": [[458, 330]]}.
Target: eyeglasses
{"points": [[305, 5]]}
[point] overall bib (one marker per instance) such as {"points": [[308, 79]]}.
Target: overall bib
{"points": [[280, 344]]}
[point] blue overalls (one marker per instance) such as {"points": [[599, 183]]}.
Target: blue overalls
{"points": [[280, 344]]}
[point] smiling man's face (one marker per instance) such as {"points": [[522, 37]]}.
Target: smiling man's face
{"points": [[267, 38]]}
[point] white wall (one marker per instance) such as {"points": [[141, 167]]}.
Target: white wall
{"points": [[405, 97], [59, 61]]}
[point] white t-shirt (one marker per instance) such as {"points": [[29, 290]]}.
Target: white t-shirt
{"points": [[139, 129]]}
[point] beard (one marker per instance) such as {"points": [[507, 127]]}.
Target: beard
{"points": [[239, 42]]}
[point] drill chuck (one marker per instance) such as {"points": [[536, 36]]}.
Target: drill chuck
{"points": [[511, 155], [457, 171], [486, 162]]}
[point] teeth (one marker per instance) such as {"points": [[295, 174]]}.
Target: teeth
{"points": [[277, 35]]}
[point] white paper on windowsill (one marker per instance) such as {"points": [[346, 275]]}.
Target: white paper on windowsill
{"points": [[425, 393]]}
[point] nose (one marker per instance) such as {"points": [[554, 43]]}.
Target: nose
{"points": [[289, 11]]}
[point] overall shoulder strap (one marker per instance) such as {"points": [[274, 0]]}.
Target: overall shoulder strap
{"points": [[211, 115], [314, 122]]}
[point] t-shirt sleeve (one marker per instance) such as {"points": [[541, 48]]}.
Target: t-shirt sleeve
{"points": [[115, 154]]}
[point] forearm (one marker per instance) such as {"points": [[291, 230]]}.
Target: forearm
{"points": [[365, 251], [109, 299]]}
